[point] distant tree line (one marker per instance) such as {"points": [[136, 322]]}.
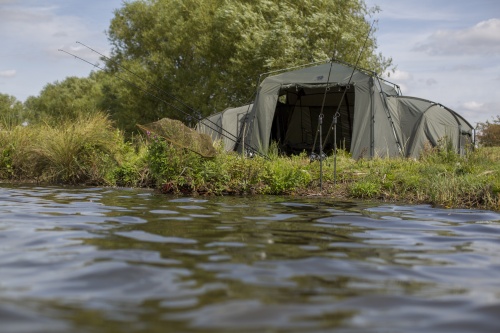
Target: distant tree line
{"points": [[207, 53], [489, 133]]}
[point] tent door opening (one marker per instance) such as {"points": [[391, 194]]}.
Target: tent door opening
{"points": [[296, 116]]}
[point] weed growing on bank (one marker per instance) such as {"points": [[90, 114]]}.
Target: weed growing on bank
{"points": [[175, 170], [437, 177], [90, 151]]}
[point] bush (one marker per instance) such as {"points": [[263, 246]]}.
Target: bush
{"points": [[489, 133]]}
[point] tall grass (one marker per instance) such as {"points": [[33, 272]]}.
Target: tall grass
{"points": [[15, 152], [82, 151]]}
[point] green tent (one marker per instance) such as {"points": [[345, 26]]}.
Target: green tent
{"points": [[225, 126], [373, 118], [422, 122]]}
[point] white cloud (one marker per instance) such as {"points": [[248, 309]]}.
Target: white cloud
{"points": [[42, 27], [8, 73], [32, 32], [479, 112], [402, 78], [480, 39], [473, 106]]}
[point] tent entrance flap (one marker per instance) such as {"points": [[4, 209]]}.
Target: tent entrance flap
{"points": [[297, 112]]}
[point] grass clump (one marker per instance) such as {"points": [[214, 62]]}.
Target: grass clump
{"points": [[85, 150]]}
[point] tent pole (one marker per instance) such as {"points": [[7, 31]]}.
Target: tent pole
{"points": [[372, 120], [350, 78], [320, 124], [335, 151]]}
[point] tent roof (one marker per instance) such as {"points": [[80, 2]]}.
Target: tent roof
{"points": [[333, 73], [424, 104]]}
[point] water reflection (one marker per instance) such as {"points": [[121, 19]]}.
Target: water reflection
{"points": [[107, 260]]}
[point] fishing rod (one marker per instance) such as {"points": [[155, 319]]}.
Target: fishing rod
{"points": [[233, 137], [129, 82], [319, 130], [217, 128], [337, 113], [144, 80], [145, 91]]}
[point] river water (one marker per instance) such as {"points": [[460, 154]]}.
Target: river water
{"points": [[122, 260]]}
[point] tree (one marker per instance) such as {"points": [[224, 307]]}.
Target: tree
{"points": [[489, 133], [210, 53], [12, 112], [67, 99]]}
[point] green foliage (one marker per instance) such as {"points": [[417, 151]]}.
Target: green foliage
{"points": [[89, 150], [177, 170], [6, 165], [173, 168], [15, 145], [365, 189], [132, 169], [210, 52], [81, 151], [66, 100], [131, 102], [489, 133], [284, 175], [12, 112]]}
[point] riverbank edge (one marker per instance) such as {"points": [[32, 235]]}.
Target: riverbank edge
{"points": [[90, 151], [329, 191]]}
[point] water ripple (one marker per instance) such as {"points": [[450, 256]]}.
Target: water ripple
{"points": [[113, 260]]}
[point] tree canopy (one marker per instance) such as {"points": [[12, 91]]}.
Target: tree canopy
{"points": [[210, 53], [12, 112], [67, 99]]}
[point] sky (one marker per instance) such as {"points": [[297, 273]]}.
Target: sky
{"points": [[446, 51], [32, 32]]}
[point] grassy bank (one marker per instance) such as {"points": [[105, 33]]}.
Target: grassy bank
{"points": [[91, 151]]}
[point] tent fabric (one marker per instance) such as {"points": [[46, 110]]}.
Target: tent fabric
{"points": [[373, 119], [368, 105], [424, 122], [225, 126]]}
